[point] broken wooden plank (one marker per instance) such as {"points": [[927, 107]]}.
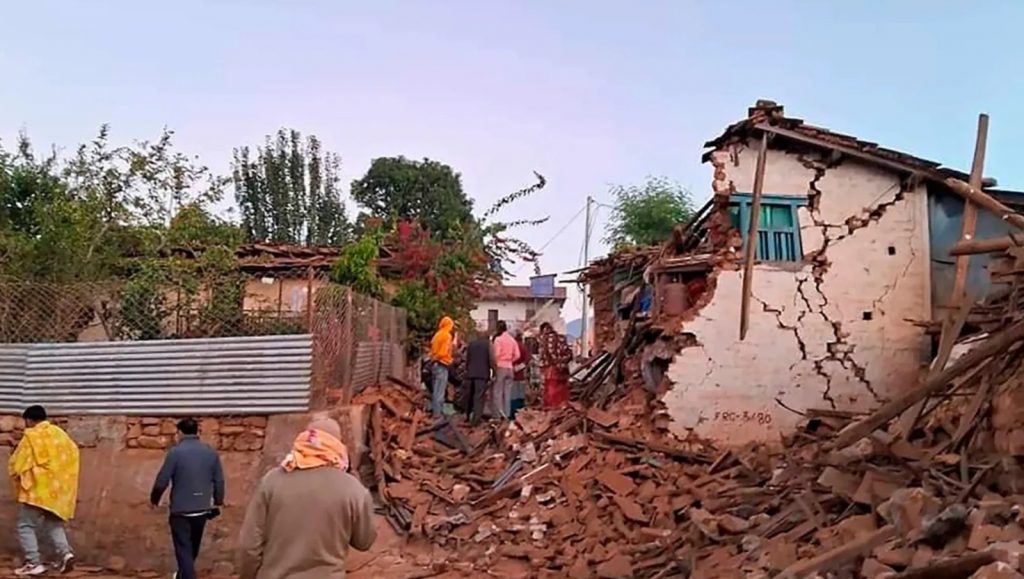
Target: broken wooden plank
{"points": [[993, 345], [951, 328], [993, 245], [970, 418], [750, 245], [970, 217], [652, 446], [959, 568], [839, 556], [986, 201]]}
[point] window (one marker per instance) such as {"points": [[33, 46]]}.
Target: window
{"points": [[492, 320], [778, 232]]}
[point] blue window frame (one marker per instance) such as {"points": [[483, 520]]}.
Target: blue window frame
{"points": [[778, 232]]}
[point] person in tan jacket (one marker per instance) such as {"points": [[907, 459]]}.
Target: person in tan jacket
{"points": [[306, 513]]}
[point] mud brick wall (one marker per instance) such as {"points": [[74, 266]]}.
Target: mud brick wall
{"points": [[832, 330], [120, 456]]}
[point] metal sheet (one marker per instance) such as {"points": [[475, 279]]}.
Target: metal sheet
{"points": [[251, 375], [12, 377], [373, 362]]}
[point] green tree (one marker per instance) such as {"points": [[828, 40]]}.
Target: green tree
{"points": [[645, 214], [287, 191], [429, 192]]}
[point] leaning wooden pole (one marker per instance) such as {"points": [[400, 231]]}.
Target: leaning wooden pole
{"points": [[750, 248], [970, 216]]}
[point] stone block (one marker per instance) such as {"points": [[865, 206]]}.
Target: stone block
{"points": [[168, 426], [257, 421], [10, 423], [152, 430], [153, 442]]}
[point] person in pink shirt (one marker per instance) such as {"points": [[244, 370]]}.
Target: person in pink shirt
{"points": [[506, 353]]}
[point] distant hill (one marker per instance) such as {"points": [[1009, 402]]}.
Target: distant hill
{"points": [[574, 328]]}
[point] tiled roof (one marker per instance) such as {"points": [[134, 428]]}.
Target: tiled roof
{"points": [[769, 113], [517, 292]]}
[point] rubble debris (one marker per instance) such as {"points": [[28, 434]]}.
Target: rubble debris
{"points": [[600, 488]]}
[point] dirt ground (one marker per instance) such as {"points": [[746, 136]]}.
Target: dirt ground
{"points": [[389, 557]]}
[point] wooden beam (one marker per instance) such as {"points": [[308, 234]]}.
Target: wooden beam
{"points": [[958, 568], [986, 201], [842, 555], [957, 186], [750, 248], [993, 245], [951, 328], [970, 216], [995, 344], [852, 152]]}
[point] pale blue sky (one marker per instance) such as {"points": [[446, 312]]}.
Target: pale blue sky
{"points": [[587, 93]]}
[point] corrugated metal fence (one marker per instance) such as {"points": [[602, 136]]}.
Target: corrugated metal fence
{"points": [[245, 375]]}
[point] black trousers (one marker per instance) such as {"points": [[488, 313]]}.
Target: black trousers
{"points": [[476, 394], [187, 535]]}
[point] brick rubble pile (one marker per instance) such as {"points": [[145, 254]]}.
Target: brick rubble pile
{"points": [[603, 490]]}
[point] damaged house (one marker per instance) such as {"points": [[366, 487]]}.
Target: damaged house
{"points": [[852, 276]]}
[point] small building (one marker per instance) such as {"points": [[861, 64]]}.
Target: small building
{"points": [[852, 275], [520, 306]]}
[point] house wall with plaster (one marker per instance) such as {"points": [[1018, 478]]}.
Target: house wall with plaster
{"points": [[833, 331], [517, 312]]}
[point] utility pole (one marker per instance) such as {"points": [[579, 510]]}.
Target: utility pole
{"points": [[584, 335]]}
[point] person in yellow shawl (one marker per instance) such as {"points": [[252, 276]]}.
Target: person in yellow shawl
{"points": [[44, 470], [306, 513]]}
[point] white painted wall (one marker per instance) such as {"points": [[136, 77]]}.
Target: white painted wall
{"points": [[514, 312], [809, 344]]}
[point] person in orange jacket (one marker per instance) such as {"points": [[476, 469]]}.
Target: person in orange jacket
{"points": [[442, 354]]}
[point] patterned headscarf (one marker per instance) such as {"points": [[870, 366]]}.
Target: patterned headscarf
{"points": [[315, 448]]}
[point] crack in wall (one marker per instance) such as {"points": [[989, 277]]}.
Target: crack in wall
{"points": [[777, 312], [839, 349]]}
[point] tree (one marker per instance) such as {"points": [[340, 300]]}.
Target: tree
{"points": [[428, 192], [645, 214], [287, 192]]}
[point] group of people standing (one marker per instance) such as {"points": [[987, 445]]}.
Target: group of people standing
{"points": [[279, 537], [497, 370]]}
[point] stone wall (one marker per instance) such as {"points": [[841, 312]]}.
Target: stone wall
{"points": [[120, 456], [835, 330]]}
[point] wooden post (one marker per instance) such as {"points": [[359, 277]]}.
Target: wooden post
{"points": [[953, 323], [280, 296], [970, 217], [750, 248], [309, 299], [347, 348]]}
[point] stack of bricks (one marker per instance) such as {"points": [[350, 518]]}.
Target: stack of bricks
{"points": [[234, 433]]}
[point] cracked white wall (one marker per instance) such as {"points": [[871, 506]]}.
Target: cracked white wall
{"points": [[844, 339]]}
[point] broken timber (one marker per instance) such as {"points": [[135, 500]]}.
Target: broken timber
{"points": [[993, 345], [750, 247]]}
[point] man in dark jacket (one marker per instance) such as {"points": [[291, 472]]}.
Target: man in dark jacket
{"points": [[193, 471], [479, 363]]}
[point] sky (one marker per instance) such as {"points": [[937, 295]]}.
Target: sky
{"points": [[589, 94]]}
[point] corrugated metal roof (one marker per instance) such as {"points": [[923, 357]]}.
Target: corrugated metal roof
{"points": [[250, 375]]}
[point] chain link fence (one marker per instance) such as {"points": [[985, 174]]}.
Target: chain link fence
{"points": [[357, 340]]}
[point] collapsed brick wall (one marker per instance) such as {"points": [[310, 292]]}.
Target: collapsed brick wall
{"points": [[835, 330]]}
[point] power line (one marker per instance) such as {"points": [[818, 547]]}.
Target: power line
{"points": [[555, 236]]}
